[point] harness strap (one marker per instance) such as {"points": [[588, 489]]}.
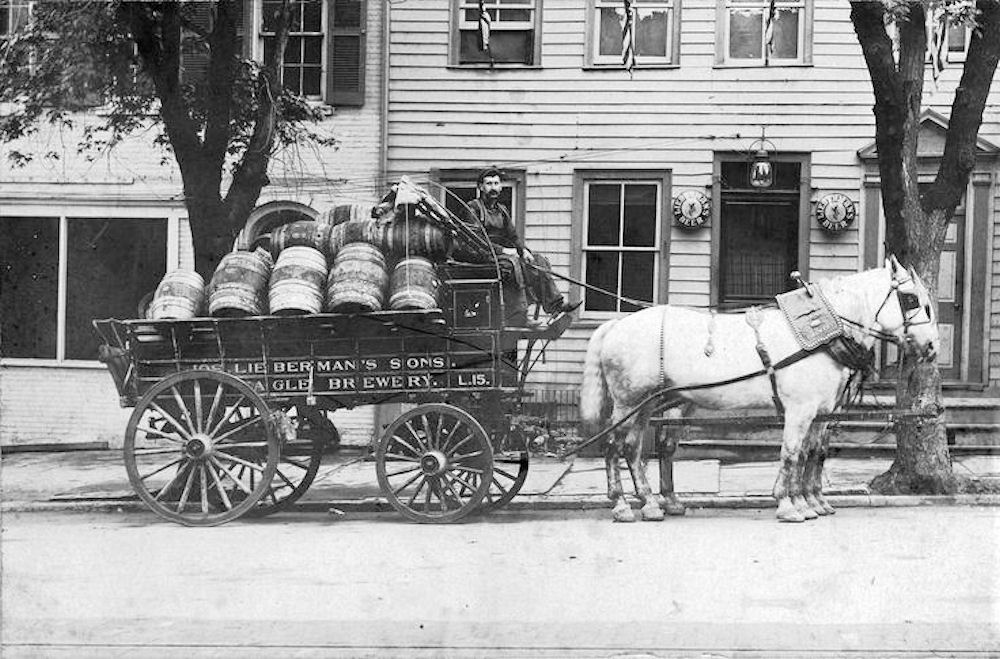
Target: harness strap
{"points": [[666, 391], [754, 320]]}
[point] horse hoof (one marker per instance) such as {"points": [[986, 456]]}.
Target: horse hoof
{"points": [[830, 510], [816, 506], [671, 506], [622, 514], [651, 512], [803, 508], [789, 513]]}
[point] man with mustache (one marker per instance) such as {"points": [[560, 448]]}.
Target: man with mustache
{"points": [[487, 210]]}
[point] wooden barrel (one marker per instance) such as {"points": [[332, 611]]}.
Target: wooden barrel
{"points": [[345, 213], [239, 285], [414, 285], [180, 294], [302, 233], [297, 281], [362, 231], [358, 279], [414, 237]]}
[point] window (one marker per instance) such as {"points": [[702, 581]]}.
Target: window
{"points": [[14, 15], [623, 245], [744, 37], [657, 33], [325, 56], [958, 42], [58, 274], [514, 33]]}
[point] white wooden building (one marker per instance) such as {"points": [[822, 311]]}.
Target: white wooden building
{"points": [[83, 238], [596, 156]]}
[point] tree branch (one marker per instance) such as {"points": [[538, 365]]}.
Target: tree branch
{"points": [[221, 75], [967, 112], [251, 174]]}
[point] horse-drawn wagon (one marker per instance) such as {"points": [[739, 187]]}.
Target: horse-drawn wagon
{"points": [[231, 414]]}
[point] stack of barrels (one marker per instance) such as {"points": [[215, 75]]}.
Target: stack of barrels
{"points": [[345, 261]]}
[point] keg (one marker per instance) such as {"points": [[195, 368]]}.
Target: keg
{"points": [[414, 285], [297, 281], [358, 279], [239, 285], [179, 295], [414, 237], [361, 231], [302, 233]]}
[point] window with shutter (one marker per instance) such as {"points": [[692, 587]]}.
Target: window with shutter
{"points": [[346, 79], [325, 55], [194, 46]]}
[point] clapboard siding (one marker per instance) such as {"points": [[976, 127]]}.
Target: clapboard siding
{"points": [[560, 117]]}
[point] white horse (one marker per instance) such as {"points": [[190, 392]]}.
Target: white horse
{"points": [[664, 349]]}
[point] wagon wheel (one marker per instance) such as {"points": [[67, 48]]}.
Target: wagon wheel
{"points": [[201, 448], [299, 460], [510, 470], [434, 463]]}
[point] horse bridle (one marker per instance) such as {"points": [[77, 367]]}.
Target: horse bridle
{"points": [[909, 308]]}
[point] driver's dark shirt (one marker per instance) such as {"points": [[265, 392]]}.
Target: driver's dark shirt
{"points": [[497, 221]]}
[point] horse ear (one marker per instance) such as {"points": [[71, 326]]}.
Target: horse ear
{"points": [[895, 263]]}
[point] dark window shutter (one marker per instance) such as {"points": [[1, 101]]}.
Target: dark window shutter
{"points": [[194, 47], [345, 79]]}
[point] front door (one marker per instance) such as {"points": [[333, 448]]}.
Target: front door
{"points": [[951, 298], [758, 234]]}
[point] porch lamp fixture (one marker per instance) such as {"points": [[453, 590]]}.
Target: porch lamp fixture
{"points": [[761, 171]]}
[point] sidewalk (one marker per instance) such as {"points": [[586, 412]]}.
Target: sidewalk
{"points": [[96, 480]]}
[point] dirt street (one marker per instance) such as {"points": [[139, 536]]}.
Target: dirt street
{"points": [[867, 582]]}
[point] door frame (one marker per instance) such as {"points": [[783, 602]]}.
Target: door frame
{"points": [[805, 192]]}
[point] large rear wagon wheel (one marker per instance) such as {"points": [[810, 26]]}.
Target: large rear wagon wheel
{"points": [[434, 463], [201, 448], [510, 470]]}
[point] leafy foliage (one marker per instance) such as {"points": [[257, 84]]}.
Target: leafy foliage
{"points": [[76, 56]]}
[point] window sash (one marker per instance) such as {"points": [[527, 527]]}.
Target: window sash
{"points": [[298, 68], [644, 10], [499, 12], [732, 6], [62, 247], [621, 249]]}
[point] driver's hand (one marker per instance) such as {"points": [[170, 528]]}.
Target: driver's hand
{"points": [[529, 257]]}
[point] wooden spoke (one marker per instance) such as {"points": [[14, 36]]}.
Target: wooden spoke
{"points": [[470, 469], [166, 415], [406, 470], [414, 451], [243, 426], [471, 435], [227, 414], [156, 451], [187, 491], [417, 491], [432, 440], [239, 461], [457, 458], [413, 433], [160, 433], [236, 481], [463, 482], [170, 484], [204, 488], [197, 406], [408, 483], [182, 406], [216, 400], [161, 468], [402, 458], [218, 487]]}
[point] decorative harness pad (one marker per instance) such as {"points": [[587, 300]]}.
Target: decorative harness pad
{"points": [[808, 313], [815, 325]]}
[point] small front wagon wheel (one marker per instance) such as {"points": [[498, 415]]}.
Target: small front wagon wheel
{"points": [[434, 463], [201, 448]]}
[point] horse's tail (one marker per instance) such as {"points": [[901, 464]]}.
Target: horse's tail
{"points": [[594, 390]]}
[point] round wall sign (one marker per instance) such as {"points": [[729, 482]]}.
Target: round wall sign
{"points": [[835, 212], [692, 208]]}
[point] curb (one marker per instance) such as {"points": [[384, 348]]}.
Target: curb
{"points": [[540, 503]]}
